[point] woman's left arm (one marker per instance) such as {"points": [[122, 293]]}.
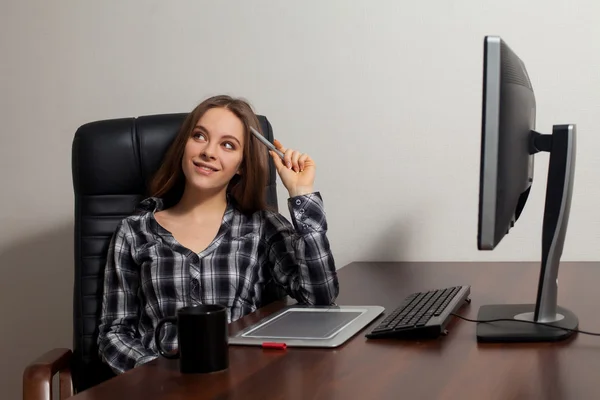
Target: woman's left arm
{"points": [[300, 252]]}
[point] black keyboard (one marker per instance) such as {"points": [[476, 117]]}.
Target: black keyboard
{"points": [[422, 315]]}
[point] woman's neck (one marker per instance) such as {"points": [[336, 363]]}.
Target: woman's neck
{"points": [[199, 205]]}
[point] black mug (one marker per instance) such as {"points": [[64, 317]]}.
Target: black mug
{"points": [[202, 337]]}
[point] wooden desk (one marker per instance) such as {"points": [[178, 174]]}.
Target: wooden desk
{"points": [[455, 367]]}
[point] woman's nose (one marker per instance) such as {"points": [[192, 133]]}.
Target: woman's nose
{"points": [[208, 151]]}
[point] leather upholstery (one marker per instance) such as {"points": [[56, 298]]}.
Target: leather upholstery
{"points": [[112, 162]]}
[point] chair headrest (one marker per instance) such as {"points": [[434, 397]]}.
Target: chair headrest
{"points": [[119, 156]]}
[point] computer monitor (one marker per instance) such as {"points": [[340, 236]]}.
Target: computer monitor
{"points": [[509, 143]]}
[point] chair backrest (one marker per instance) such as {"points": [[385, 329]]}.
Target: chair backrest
{"points": [[112, 163]]}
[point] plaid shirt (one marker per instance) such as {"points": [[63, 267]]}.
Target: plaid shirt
{"points": [[149, 275]]}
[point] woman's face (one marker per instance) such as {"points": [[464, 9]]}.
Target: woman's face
{"points": [[214, 151]]}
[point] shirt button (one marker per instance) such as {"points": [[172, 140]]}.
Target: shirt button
{"points": [[301, 210], [298, 202]]}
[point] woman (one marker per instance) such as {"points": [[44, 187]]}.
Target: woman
{"points": [[206, 236]]}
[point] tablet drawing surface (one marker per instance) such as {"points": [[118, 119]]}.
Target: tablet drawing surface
{"points": [[315, 326]]}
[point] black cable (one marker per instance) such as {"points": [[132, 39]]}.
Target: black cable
{"points": [[520, 320]]}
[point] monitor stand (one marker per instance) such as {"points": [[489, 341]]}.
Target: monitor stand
{"points": [[562, 147]]}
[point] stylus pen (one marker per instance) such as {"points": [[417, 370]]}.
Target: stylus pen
{"points": [[274, 345], [266, 142]]}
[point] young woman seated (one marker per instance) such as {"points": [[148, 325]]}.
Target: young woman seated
{"points": [[206, 236]]}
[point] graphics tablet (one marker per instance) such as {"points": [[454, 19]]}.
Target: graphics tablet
{"points": [[308, 326]]}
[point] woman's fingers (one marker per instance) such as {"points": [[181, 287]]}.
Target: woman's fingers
{"points": [[295, 160], [292, 159], [302, 161]]}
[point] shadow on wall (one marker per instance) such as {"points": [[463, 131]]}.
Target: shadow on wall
{"points": [[36, 276], [392, 243]]}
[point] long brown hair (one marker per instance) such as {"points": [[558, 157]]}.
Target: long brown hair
{"points": [[247, 188]]}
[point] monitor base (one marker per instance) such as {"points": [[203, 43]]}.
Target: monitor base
{"points": [[519, 332]]}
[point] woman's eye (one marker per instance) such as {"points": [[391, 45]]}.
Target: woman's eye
{"points": [[199, 136], [228, 145]]}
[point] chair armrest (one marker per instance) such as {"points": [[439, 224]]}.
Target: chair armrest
{"points": [[37, 377]]}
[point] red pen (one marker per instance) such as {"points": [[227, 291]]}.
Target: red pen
{"points": [[274, 345]]}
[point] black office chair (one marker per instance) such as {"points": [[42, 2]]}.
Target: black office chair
{"points": [[112, 162]]}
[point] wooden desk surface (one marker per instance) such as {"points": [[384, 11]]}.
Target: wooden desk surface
{"points": [[454, 367]]}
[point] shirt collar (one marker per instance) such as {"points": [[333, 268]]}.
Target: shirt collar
{"points": [[155, 204]]}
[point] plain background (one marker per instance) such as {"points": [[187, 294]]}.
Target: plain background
{"points": [[384, 95]]}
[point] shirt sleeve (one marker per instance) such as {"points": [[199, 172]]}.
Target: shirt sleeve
{"points": [[119, 343], [300, 252]]}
